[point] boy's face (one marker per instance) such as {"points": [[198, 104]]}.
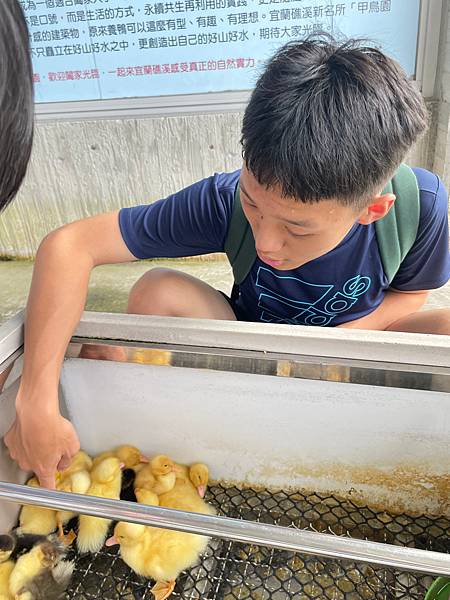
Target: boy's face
{"points": [[289, 234]]}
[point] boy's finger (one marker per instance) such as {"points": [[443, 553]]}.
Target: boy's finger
{"points": [[64, 463], [47, 480]]}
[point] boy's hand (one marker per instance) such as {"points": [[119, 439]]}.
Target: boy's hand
{"points": [[42, 442]]}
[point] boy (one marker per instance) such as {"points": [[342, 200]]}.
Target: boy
{"points": [[325, 129]]}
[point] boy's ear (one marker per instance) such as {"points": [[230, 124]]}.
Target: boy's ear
{"points": [[377, 209]]}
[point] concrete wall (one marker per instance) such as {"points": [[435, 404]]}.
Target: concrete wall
{"points": [[83, 168], [86, 167], [441, 162]]}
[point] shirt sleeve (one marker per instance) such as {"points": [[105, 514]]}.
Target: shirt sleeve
{"points": [[191, 222], [427, 264]]}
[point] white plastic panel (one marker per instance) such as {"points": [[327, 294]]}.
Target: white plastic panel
{"points": [[8, 470], [389, 446], [384, 346]]}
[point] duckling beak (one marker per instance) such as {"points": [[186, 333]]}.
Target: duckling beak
{"points": [[177, 468], [201, 490], [112, 541], [122, 466], [144, 459]]}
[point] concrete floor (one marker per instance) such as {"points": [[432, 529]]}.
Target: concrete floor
{"points": [[109, 286]]}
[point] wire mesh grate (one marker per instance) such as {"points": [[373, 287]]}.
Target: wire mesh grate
{"points": [[235, 571]]}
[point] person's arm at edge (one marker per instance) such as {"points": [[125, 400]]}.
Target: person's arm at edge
{"points": [[40, 439]]}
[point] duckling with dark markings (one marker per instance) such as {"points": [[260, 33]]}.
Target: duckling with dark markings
{"points": [[6, 565], [42, 572]]}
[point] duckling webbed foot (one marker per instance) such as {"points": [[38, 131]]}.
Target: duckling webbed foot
{"points": [[66, 539], [60, 528], [163, 589]]}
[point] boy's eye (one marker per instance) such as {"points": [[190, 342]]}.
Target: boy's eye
{"points": [[248, 203], [297, 235]]}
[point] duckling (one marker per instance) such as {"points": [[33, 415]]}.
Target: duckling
{"points": [[159, 554], [12, 546], [185, 494], [159, 476], [106, 479], [199, 476], [6, 568], [34, 519], [144, 496], [41, 574], [130, 456], [7, 545], [185, 497], [144, 478], [49, 584], [78, 483], [80, 462]]}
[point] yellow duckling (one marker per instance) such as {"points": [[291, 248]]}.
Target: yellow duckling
{"points": [[78, 483], [185, 497], [34, 519], [80, 462], [159, 476], [189, 489], [43, 521], [145, 478], [199, 476], [144, 496], [106, 479], [130, 456], [159, 554], [6, 568]]}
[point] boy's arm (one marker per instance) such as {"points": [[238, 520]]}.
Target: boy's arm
{"points": [[395, 306], [40, 439]]}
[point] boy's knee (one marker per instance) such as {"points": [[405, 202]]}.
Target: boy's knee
{"points": [[156, 292]]}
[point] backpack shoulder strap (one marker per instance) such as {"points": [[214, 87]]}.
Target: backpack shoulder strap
{"points": [[397, 231], [239, 243]]}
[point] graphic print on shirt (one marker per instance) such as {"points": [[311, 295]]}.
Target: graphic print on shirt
{"points": [[322, 304]]}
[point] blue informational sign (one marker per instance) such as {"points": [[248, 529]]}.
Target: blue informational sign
{"points": [[99, 49]]}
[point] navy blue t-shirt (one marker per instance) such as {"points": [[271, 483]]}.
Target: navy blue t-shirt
{"points": [[343, 285]]}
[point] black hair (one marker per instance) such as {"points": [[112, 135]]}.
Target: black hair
{"points": [[330, 121], [16, 100]]}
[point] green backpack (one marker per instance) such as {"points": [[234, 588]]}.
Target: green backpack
{"points": [[396, 232]]}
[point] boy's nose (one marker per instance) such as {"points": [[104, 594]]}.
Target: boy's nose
{"points": [[268, 242]]}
